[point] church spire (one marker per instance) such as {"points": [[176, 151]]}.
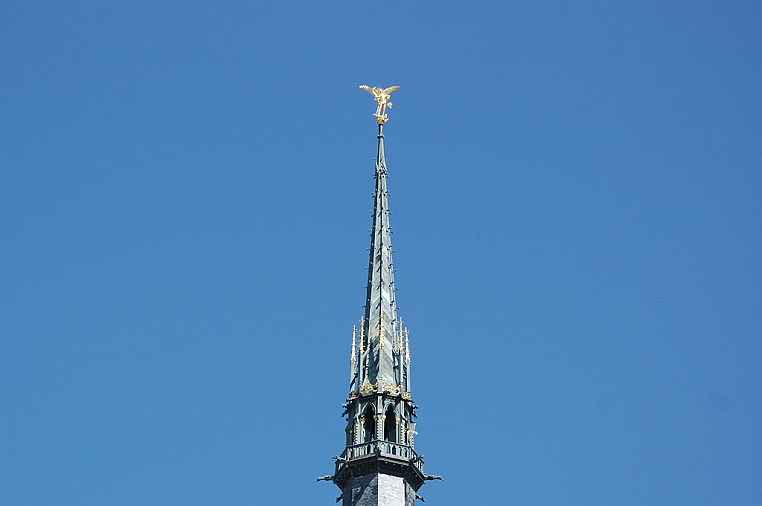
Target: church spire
{"points": [[379, 464], [381, 362]]}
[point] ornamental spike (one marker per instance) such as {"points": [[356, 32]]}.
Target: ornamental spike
{"points": [[407, 346], [399, 338], [362, 335], [352, 357]]}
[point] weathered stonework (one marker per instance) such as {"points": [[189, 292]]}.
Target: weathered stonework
{"points": [[378, 490]]}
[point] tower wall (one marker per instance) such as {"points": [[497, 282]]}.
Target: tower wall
{"points": [[378, 490]]}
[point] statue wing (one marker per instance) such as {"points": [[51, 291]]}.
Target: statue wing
{"points": [[367, 88], [390, 89]]}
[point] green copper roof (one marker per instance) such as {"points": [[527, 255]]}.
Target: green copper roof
{"points": [[381, 340]]}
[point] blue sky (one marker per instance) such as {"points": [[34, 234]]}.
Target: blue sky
{"points": [[185, 192]]}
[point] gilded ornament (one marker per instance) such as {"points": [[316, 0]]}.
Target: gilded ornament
{"points": [[391, 388], [381, 96], [367, 388]]}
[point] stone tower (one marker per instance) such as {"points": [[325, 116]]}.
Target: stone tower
{"points": [[379, 465]]}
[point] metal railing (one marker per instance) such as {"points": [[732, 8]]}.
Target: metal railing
{"points": [[385, 448]]}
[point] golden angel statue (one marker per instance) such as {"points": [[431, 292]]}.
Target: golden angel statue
{"points": [[381, 97]]}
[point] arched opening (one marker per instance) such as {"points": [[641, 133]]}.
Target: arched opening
{"points": [[390, 425], [369, 424]]}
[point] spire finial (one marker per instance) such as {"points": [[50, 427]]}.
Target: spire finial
{"points": [[399, 337], [381, 96], [354, 344], [407, 346]]}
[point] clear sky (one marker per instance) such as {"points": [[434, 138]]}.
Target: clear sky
{"points": [[185, 195]]}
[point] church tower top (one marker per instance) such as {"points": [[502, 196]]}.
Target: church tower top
{"points": [[379, 465]]}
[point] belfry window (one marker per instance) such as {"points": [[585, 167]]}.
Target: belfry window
{"points": [[369, 425], [390, 425]]}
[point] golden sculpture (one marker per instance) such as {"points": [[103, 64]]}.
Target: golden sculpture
{"points": [[381, 96]]}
